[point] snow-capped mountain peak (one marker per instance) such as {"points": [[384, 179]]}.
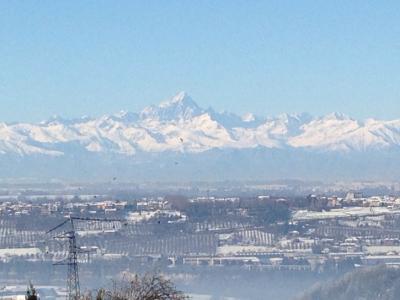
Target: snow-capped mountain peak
{"points": [[248, 117], [180, 125], [179, 130], [181, 98], [336, 116], [125, 116], [179, 107]]}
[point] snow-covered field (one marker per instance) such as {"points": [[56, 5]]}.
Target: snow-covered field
{"points": [[302, 215]]}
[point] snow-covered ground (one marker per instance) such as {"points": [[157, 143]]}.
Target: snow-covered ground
{"points": [[227, 250], [8, 252], [136, 217], [303, 215]]}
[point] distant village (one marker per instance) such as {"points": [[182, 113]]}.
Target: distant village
{"points": [[186, 235]]}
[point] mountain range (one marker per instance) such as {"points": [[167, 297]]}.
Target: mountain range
{"points": [[178, 139]]}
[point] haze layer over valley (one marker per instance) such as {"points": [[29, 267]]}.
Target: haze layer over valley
{"points": [[178, 139]]}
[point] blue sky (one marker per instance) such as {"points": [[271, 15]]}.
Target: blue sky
{"points": [[75, 58]]}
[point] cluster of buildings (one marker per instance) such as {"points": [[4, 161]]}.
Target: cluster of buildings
{"points": [[61, 207], [351, 199], [323, 233]]}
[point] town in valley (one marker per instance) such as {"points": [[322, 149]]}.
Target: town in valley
{"points": [[270, 231]]}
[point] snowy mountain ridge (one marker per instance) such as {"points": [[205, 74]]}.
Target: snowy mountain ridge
{"points": [[180, 125]]}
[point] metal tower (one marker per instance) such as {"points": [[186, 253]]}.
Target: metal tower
{"points": [[71, 261]]}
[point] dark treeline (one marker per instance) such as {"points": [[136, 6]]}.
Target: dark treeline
{"points": [[260, 211], [380, 282]]}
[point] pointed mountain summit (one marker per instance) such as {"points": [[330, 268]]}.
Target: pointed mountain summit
{"points": [[207, 140], [182, 98], [179, 107]]}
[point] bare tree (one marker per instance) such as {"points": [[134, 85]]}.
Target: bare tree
{"points": [[147, 287]]}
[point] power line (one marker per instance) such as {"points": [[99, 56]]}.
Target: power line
{"points": [[73, 285]]}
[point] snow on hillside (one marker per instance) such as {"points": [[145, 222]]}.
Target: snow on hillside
{"points": [[180, 125]]}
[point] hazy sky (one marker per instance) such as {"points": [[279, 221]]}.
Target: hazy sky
{"points": [[76, 58]]}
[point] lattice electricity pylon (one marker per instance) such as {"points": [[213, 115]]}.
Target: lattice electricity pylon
{"points": [[71, 261], [73, 286]]}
